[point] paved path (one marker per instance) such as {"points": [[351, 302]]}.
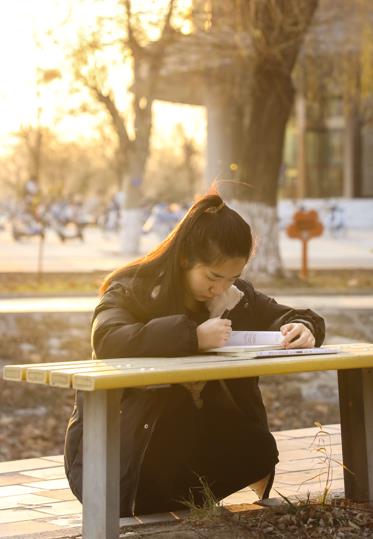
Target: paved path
{"points": [[35, 497], [88, 303], [103, 253]]}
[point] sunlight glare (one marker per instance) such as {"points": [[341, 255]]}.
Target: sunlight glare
{"points": [[23, 27]]}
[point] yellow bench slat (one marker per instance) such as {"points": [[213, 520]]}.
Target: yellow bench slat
{"points": [[42, 375], [17, 373], [13, 373], [136, 372], [40, 371], [63, 377], [212, 370]]}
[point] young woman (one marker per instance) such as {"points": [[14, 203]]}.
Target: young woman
{"points": [[174, 302]]}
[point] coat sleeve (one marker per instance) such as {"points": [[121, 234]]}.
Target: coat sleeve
{"points": [[271, 315], [118, 332]]}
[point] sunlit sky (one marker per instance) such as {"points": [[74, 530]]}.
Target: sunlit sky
{"points": [[21, 22]]}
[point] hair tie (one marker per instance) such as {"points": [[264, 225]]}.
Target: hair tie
{"points": [[215, 209]]}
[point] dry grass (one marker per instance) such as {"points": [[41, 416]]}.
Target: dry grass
{"points": [[50, 283], [83, 283]]}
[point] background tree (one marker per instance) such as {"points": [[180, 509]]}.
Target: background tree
{"points": [[66, 168], [255, 109], [239, 62], [283, 48], [32, 136], [175, 168], [140, 39]]}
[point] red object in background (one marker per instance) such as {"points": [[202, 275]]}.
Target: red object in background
{"points": [[305, 226]]}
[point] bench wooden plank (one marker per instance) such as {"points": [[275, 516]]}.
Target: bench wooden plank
{"points": [[17, 373], [60, 374], [43, 375], [14, 373], [63, 371], [206, 368], [64, 377], [39, 372], [134, 372]]}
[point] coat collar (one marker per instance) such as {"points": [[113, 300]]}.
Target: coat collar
{"points": [[225, 302]]}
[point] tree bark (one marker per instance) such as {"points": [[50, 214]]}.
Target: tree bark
{"points": [[139, 152], [262, 130], [265, 117], [224, 132], [353, 152], [266, 108], [266, 259], [134, 210], [147, 63]]}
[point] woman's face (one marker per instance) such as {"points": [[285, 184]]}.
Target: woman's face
{"points": [[204, 282]]}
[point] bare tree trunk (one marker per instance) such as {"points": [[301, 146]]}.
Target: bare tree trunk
{"points": [[224, 133], [146, 65], [266, 259], [139, 152], [265, 118], [134, 210], [266, 108], [353, 152]]}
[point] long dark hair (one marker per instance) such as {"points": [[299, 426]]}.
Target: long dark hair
{"points": [[209, 232]]}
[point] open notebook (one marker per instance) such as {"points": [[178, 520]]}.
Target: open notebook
{"points": [[263, 344], [251, 341]]}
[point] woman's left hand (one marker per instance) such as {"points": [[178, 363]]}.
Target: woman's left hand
{"points": [[297, 335]]}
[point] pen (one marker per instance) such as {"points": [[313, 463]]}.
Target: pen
{"points": [[225, 313]]}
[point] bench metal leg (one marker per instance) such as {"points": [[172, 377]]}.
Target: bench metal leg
{"points": [[356, 408], [101, 446]]}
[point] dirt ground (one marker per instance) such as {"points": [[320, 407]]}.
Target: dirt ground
{"points": [[309, 521]]}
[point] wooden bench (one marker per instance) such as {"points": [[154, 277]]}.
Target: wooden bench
{"points": [[102, 382]]}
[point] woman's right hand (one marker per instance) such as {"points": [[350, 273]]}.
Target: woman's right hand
{"points": [[213, 333]]}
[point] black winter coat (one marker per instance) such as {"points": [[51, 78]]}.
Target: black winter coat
{"points": [[167, 443]]}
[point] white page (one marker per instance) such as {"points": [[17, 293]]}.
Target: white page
{"points": [[254, 338], [250, 341]]}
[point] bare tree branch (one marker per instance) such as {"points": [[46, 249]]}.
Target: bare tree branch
{"points": [[136, 49], [118, 121], [167, 22]]}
